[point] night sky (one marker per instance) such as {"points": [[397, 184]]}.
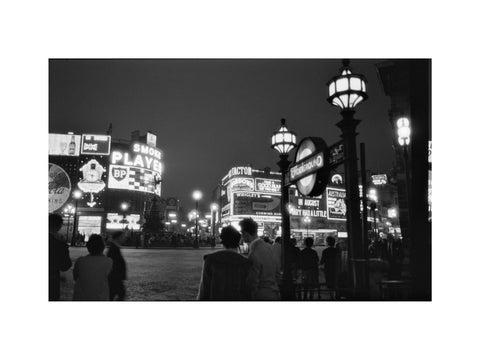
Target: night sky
{"points": [[211, 115]]}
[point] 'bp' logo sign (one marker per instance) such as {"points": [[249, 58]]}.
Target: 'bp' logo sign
{"points": [[119, 173]]}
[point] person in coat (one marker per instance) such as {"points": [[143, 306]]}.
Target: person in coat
{"points": [[308, 264], [119, 267], [224, 273], [330, 260], [91, 272], [264, 275], [58, 257]]}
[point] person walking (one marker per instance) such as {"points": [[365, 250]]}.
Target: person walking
{"points": [[308, 264], [277, 251], [224, 273], [91, 272], [264, 274], [330, 260], [58, 256], [119, 267]]}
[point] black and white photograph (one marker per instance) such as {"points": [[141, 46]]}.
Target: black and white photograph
{"points": [[239, 180]]}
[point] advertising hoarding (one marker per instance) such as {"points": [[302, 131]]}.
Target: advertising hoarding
{"points": [[64, 144], [92, 180], [268, 185], [336, 205], [88, 225], [116, 221], [95, 144], [59, 187], [242, 184], [151, 139], [137, 169], [250, 203], [134, 179], [379, 179]]}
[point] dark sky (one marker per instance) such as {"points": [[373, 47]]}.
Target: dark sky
{"points": [[211, 115]]}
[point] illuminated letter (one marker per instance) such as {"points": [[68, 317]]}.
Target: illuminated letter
{"points": [[116, 156], [138, 161], [136, 147]]}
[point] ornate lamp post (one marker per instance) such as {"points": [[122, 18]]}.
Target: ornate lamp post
{"points": [[346, 91], [284, 141], [197, 195], [403, 132]]}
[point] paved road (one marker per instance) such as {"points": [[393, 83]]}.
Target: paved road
{"points": [[164, 274], [154, 274]]}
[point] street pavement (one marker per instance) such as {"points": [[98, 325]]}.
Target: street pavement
{"points": [[154, 274]]}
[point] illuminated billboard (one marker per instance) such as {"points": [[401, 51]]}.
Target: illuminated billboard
{"points": [[268, 185], [336, 206], [249, 203], [95, 144], [137, 169], [59, 187], [116, 221], [92, 180], [379, 179], [88, 225], [63, 144], [134, 179]]}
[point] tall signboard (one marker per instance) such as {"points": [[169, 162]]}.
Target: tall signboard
{"points": [[137, 169]]}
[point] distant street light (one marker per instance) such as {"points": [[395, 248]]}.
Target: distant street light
{"points": [[68, 211], [213, 221], [307, 220], [77, 194], [404, 132], [284, 141], [124, 207], [197, 195]]}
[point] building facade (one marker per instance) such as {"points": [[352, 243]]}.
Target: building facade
{"points": [[114, 180]]}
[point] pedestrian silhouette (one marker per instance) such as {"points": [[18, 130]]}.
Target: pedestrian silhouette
{"points": [[91, 272], [264, 274], [330, 260], [224, 273], [58, 256], [308, 264], [119, 267]]}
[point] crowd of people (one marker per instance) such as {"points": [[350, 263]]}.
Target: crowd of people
{"points": [[228, 274], [98, 277]]}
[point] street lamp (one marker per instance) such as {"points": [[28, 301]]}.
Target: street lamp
{"points": [[197, 195], [403, 132], [68, 211], [77, 194], [124, 208], [214, 210], [346, 91], [284, 141], [307, 220]]}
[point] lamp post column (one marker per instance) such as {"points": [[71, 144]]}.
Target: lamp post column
{"points": [[288, 292], [196, 225], [357, 265]]}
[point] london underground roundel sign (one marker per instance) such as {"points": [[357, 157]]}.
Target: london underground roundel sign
{"points": [[310, 171]]}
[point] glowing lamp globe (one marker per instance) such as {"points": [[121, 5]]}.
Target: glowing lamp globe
{"points": [[347, 90], [283, 140], [403, 131]]}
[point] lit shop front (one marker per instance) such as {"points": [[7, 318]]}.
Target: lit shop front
{"points": [[114, 180]]}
